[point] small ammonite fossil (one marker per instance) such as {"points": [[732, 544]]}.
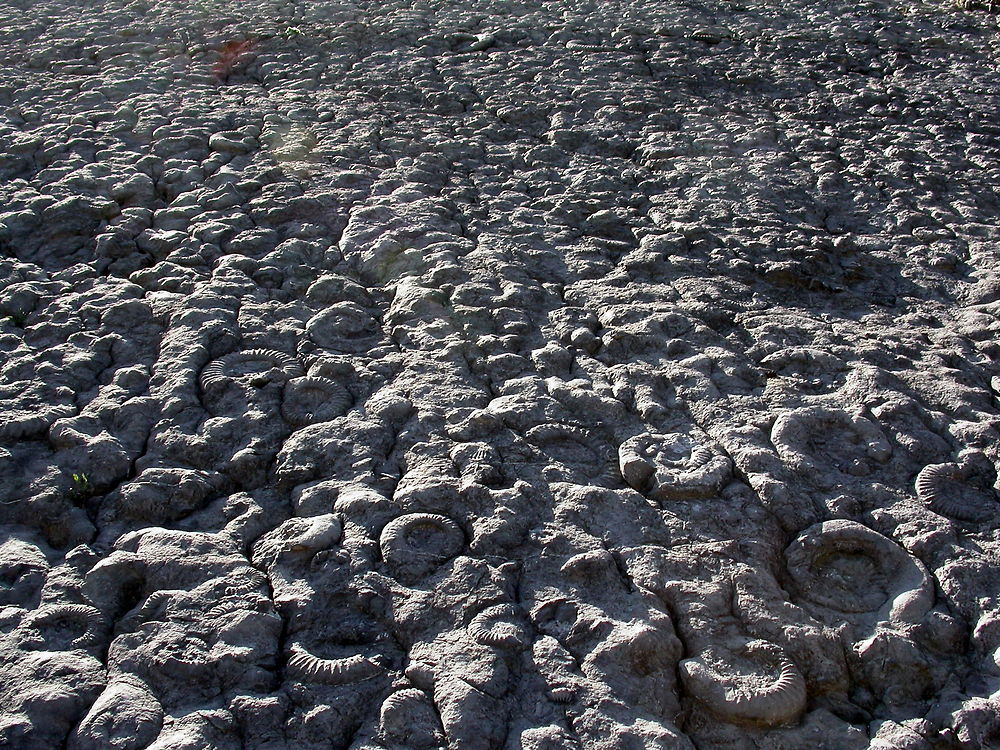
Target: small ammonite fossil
{"points": [[574, 449], [673, 467], [500, 626], [815, 439], [255, 367], [344, 327], [847, 569], [738, 698], [414, 545], [962, 490], [409, 719], [127, 715], [311, 398], [58, 626], [307, 667]]}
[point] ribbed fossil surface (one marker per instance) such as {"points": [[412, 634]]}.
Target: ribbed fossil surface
{"points": [[499, 375]]}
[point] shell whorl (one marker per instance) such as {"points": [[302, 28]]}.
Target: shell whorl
{"points": [[928, 478], [558, 668], [781, 701], [416, 543], [126, 716], [597, 462], [313, 398], [409, 719], [895, 586], [220, 371], [928, 486], [297, 540], [498, 626], [669, 467], [50, 615], [307, 667], [793, 432]]}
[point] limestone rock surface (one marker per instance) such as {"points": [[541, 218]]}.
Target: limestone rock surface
{"points": [[499, 375]]}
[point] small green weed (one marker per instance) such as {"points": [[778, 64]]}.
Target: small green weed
{"points": [[81, 487]]}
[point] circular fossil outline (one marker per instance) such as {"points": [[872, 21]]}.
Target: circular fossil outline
{"points": [[544, 434], [791, 431], [780, 702], [396, 719], [89, 618], [217, 373], [499, 626], [344, 327], [928, 491], [701, 474], [331, 400], [909, 593], [407, 559], [125, 715]]}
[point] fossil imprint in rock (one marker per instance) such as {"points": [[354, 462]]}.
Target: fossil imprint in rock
{"points": [[962, 490], [255, 367], [313, 398], [673, 467], [55, 627], [574, 452], [126, 716], [500, 626], [409, 719], [842, 568], [307, 667], [344, 327], [744, 690], [812, 439], [414, 545]]}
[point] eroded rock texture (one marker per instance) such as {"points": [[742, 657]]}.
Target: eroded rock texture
{"points": [[499, 375]]}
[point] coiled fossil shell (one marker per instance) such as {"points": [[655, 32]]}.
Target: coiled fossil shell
{"points": [[477, 462], [416, 544], [111, 584], [739, 700], [955, 490], [672, 467], [814, 439], [307, 667], [846, 567], [558, 668], [297, 539], [344, 327], [126, 716], [255, 366], [52, 626], [311, 399], [408, 719], [23, 570], [574, 447], [590, 565], [154, 607], [164, 494], [499, 626]]}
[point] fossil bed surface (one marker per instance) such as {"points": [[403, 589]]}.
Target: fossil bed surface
{"points": [[499, 375]]}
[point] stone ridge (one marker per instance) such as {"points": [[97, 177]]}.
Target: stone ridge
{"points": [[540, 375]]}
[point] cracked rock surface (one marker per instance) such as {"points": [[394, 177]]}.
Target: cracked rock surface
{"points": [[542, 375]]}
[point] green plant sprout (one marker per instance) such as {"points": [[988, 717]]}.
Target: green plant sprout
{"points": [[81, 486]]}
